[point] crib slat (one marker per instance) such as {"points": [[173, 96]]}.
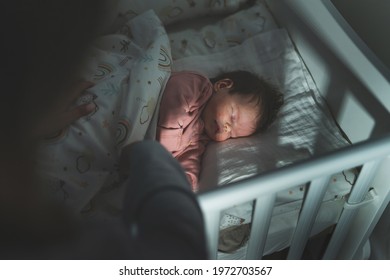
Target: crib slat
{"points": [[311, 206], [357, 195], [260, 225], [211, 220]]}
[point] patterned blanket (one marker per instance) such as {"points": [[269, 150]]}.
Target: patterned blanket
{"points": [[129, 69]]}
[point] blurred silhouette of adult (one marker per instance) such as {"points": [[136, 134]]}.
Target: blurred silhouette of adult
{"points": [[43, 45]]}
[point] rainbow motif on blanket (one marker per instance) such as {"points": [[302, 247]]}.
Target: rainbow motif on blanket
{"points": [[122, 131], [164, 61], [103, 70]]}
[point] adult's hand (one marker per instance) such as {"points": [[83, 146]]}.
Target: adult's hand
{"points": [[64, 114]]}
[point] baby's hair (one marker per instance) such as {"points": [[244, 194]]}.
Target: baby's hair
{"points": [[267, 96]]}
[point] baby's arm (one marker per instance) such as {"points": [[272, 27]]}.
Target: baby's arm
{"points": [[190, 159]]}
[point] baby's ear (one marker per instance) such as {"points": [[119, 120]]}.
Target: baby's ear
{"points": [[223, 83]]}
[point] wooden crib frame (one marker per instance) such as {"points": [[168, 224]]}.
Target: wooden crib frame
{"points": [[339, 62]]}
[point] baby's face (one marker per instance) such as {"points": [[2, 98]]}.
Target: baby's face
{"points": [[229, 115]]}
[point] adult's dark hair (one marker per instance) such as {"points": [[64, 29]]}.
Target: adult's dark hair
{"points": [[266, 95]]}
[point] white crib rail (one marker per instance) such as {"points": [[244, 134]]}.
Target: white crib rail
{"points": [[311, 206], [263, 189]]}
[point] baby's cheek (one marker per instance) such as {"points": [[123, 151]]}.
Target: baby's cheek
{"points": [[219, 115]]}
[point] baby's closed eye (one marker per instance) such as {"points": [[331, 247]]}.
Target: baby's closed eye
{"points": [[233, 115]]}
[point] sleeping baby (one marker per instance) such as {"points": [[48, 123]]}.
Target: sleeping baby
{"points": [[195, 110]]}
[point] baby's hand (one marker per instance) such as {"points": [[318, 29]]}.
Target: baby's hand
{"points": [[64, 115], [193, 181]]}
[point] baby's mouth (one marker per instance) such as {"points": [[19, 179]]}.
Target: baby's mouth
{"points": [[217, 129]]}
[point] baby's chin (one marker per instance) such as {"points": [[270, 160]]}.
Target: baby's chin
{"points": [[211, 136], [215, 137]]}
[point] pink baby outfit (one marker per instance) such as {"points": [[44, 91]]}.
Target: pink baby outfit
{"points": [[180, 128]]}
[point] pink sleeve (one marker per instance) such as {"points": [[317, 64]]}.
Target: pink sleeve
{"points": [[184, 93], [190, 160]]}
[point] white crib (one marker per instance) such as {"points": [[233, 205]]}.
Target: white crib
{"points": [[338, 61], [177, 36]]}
